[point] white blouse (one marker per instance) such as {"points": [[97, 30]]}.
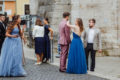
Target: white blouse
{"points": [[38, 31]]}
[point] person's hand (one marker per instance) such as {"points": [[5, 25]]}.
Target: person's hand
{"points": [[25, 41], [15, 36], [24, 26], [51, 38], [100, 51]]}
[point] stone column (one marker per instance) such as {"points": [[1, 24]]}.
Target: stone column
{"points": [[59, 7]]}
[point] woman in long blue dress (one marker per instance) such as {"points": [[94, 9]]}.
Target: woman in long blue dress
{"points": [[76, 59], [47, 53], [11, 54]]}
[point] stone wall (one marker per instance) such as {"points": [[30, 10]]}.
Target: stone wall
{"points": [[106, 12], [106, 15], [52, 9]]}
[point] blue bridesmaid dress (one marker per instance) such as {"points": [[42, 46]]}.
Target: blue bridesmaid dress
{"points": [[11, 57], [76, 59]]}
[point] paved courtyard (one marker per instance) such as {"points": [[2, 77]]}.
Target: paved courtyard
{"points": [[49, 72], [107, 68]]}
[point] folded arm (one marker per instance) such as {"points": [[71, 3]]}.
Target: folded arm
{"points": [[9, 35]]}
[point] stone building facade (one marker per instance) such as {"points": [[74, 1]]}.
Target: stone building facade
{"points": [[106, 13], [12, 7]]}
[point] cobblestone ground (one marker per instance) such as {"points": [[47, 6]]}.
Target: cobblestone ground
{"points": [[49, 72]]}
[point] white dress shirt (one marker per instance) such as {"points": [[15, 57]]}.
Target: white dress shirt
{"points": [[38, 31], [91, 35]]}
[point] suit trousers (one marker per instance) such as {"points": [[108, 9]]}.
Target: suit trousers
{"points": [[63, 56], [89, 50], [1, 43]]}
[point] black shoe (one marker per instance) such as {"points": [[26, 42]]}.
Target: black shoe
{"points": [[87, 69], [62, 70], [58, 56], [92, 70]]}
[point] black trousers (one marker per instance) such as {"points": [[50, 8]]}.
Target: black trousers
{"points": [[1, 43], [89, 50]]}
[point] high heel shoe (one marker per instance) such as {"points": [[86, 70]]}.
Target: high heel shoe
{"points": [[38, 63]]}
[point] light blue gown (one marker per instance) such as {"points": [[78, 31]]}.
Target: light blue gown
{"points": [[76, 59], [11, 56]]}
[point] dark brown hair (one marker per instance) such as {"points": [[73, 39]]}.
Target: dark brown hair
{"points": [[80, 24], [65, 14], [39, 22], [93, 20], [1, 15], [13, 23], [47, 20]]}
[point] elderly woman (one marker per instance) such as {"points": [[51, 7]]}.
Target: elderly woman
{"points": [[38, 35]]}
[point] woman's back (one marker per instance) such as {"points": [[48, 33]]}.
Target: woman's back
{"points": [[46, 29], [76, 30], [76, 58], [38, 31]]}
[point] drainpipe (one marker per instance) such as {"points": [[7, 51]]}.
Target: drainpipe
{"points": [[16, 7], [117, 21], [3, 6]]}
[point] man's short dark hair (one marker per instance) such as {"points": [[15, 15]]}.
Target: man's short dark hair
{"points": [[65, 14], [1, 15], [94, 21]]}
